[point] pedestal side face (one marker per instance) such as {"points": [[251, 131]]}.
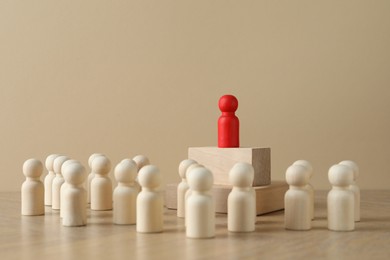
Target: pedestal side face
{"points": [[221, 160]]}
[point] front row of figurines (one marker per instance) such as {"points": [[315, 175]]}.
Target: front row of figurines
{"points": [[64, 190]]}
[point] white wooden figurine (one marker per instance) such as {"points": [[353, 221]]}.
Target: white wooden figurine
{"points": [[241, 202], [49, 177], [341, 201], [74, 196], [125, 194], [33, 189], [141, 161], [149, 201], [65, 185], [57, 182], [309, 187], [200, 208], [91, 174], [354, 187], [182, 187], [297, 199], [188, 192], [101, 185]]}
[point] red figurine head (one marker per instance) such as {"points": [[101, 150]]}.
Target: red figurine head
{"points": [[228, 103]]}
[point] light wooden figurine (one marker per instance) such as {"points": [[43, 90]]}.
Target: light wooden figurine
{"points": [[74, 196], [125, 194], [32, 189], [309, 187], [65, 185], [242, 199], [149, 201], [297, 199], [101, 185], [182, 187], [188, 192], [57, 182], [340, 200], [91, 174], [200, 208], [49, 177], [354, 187], [141, 161]]}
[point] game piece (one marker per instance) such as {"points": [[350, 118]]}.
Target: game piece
{"points": [[228, 123], [149, 201], [49, 177], [221, 160], [200, 216], [65, 185], [91, 174], [269, 198], [125, 194], [242, 199], [340, 200], [57, 182], [33, 189], [297, 199], [74, 197], [141, 161], [182, 187], [354, 187], [309, 187], [101, 185]]}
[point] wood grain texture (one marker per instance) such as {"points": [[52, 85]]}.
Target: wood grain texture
{"points": [[268, 198], [221, 160], [43, 237]]}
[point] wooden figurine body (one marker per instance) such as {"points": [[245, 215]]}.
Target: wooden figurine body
{"points": [[228, 123], [57, 182], [297, 199], [125, 194], [340, 199], [309, 187], [91, 175], [73, 203], [200, 208], [32, 189], [49, 178], [188, 192], [354, 187], [149, 201], [241, 200], [101, 185], [183, 187]]}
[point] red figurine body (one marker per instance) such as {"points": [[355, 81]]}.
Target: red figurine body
{"points": [[228, 123]]}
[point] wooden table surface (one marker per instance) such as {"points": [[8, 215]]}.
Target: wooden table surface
{"points": [[44, 237]]}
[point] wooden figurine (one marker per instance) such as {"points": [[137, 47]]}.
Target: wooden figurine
{"points": [[74, 197], [188, 192], [91, 174], [340, 200], [309, 187], [228, 123], [141, 161], [125, 194], [57, 182], [354, 187], [49, 177], [200, 208], [297, 199], [33, 189], [149, 201], [242, 199], [65, 185], [182, 187], [101, 185]]}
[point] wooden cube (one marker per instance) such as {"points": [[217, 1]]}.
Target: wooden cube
{"points": [[268, 198], [221, 160]]}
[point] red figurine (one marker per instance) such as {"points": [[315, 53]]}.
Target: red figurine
{"points": [[228, 123]]}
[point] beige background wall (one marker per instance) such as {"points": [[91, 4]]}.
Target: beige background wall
{"points": [[129, 77]]}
